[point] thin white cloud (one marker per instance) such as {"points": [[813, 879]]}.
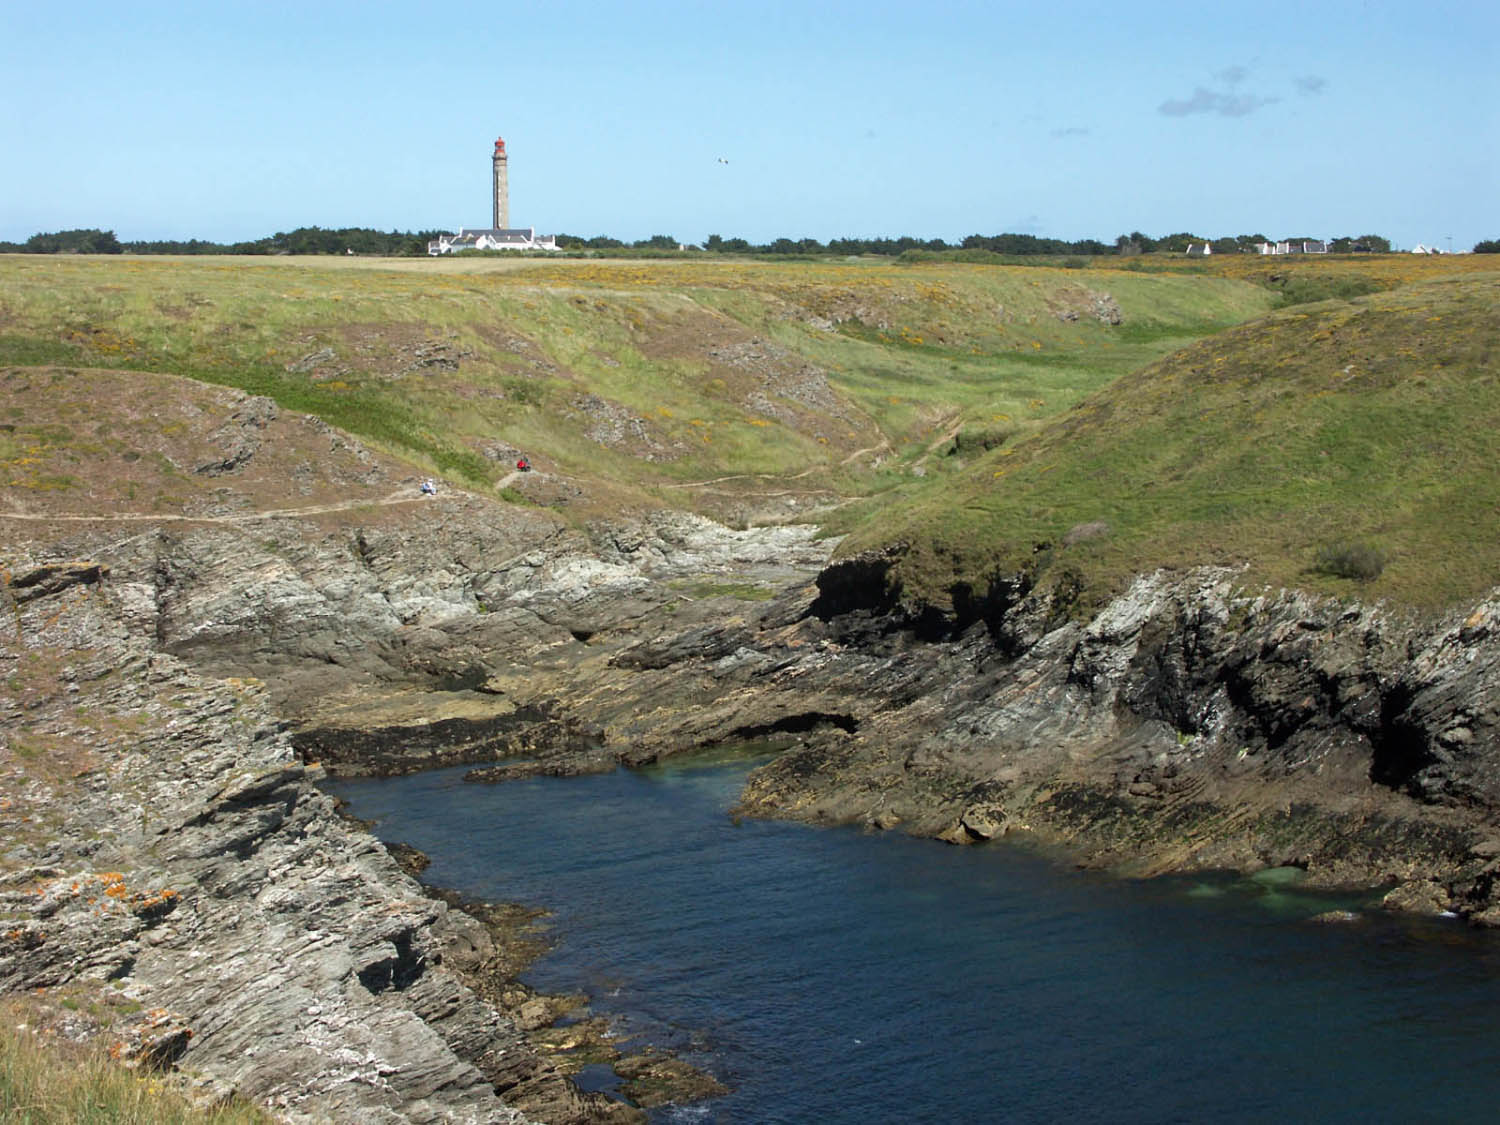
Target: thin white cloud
{"points": [[1225, 97], [1220, 102]]}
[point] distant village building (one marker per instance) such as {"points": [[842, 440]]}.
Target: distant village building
{"points": [[492, 238], [1199, 250], [1304, 246], [1420, 249], [501, 235]]}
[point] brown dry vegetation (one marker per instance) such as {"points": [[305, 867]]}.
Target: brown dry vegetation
{"points": [[86, 441]]}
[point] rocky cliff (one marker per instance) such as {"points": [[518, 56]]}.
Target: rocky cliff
{"points": [[171, 878], [169, 862], [176, 684], [1190, 724]]}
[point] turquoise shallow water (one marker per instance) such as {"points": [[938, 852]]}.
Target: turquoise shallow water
{"points": [[832, 976]]}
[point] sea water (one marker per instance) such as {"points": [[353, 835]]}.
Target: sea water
{"points": [[830, 975]]}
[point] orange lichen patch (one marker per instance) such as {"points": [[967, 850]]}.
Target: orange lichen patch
{"points": [[23, 938], [156, 1042], [104, 340], [144, 903], [154, 904]]}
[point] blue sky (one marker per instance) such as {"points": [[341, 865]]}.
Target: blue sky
{"points": [[234, 120]]}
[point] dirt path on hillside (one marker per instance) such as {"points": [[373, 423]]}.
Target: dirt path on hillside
{"points": [[396, 498], [883, 446], [954, 425], [270, 513], [741, 476]]}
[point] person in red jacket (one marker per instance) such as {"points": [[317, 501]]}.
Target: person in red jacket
{"points": [[524, 465]]}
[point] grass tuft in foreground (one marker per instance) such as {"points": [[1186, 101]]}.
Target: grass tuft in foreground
{"points": [[58, 1083], [1361, 562]]}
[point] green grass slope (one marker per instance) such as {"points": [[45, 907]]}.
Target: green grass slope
{"points": [[1085, 424], [1346, 446], [653, 378]]}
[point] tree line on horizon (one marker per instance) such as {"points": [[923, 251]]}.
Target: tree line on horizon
{"points": [[304, 240], [365, 241], [1006, 244]]}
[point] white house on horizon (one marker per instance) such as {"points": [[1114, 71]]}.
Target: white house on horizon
{"points": [[1308, 246], [492, 238]]}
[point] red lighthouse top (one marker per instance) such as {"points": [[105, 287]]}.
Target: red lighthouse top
{"points": [[499, 146]]}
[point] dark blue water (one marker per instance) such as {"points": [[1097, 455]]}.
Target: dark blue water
{"points": [[833, 976]]}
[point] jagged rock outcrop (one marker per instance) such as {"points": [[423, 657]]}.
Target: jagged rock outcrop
{"points": [[167, 850], [167, 854], [1190, 723]]}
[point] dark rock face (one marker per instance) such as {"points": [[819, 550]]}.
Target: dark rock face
{"points": [[52, 578], [859, 585], [425, 742], [1189, 724]]}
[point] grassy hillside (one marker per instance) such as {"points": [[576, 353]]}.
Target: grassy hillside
{"points": [[1349, 446], [1084, 423], [653, 377]]}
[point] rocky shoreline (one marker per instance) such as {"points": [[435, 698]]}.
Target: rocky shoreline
{"points": [[172, 871], [176, 690], [1192, 724], [561, 1026]]}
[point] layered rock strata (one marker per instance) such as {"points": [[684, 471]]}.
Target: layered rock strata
{"points": [[1190, 724], [168, 857], [168, 860]]}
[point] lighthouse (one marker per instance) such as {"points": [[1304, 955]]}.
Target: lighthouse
{"points": [[501, 188], [499, 236]]}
